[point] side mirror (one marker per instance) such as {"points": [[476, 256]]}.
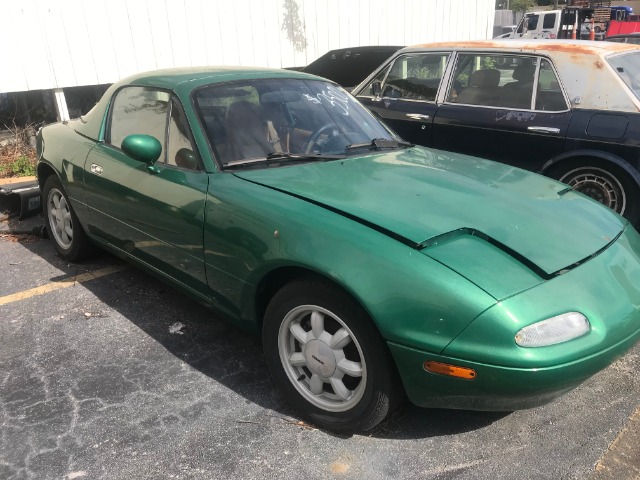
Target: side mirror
{"points": [[144, 148], [376, 88]]}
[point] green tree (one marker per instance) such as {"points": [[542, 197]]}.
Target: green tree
{"points": [[521, 5]]}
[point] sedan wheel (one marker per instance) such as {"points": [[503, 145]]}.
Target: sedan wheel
{"points": [[328, 358], [604, 182], [599, 185], [62, 225]]}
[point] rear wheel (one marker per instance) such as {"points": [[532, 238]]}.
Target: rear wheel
{"points": [[604, 182], [62, 225], [328, 358]]}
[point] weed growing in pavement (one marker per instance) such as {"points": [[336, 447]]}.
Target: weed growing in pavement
{"points": [[17, 152]]}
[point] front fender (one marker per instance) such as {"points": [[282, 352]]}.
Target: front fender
{"points": [[251, 230]]}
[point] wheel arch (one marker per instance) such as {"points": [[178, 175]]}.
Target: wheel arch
{"points": [[275, 279], [607, 157], [44, 171]]}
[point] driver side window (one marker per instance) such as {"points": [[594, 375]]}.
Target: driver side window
{"points": [[416, 77], [138, 110], [368, 90]]}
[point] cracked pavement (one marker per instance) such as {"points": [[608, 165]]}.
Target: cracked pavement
{"points": [[122, 377]]}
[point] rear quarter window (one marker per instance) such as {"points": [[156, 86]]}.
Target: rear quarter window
{"points": [[627, 66]]}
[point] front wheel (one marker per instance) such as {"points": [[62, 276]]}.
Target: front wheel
{"points": [[606, 183], [328, 358], [62, 225]]}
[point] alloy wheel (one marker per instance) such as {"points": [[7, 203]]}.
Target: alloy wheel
{"points": [[322, 358]]}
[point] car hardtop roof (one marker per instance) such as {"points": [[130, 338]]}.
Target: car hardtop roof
{"points": [[92, 124], [170, 78], [537, 46]]}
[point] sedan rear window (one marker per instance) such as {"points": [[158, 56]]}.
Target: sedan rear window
{"points": [[627, 66]]}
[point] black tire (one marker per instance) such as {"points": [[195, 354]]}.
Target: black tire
{"points": [[605, 182], [350, 403], [69, 238]]}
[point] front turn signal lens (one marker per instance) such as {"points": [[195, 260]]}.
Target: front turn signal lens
{"points": [[450, 370]]}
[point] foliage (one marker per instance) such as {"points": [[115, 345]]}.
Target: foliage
{"points": [[17, 151], [294, 27], [23, 166], [465, 69], [522, 5]]}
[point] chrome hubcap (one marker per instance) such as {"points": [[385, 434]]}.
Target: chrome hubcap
{"points": [[322, 358], [59, 218], [599, 185]]}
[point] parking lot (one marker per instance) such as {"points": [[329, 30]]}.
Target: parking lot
{"points": [[107, 373]]}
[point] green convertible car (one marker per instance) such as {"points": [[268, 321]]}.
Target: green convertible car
{"points": [[372, 268]]}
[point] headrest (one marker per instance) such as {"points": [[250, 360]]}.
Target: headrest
{"points": [[245, 114], [524, 72], [485, 78]]}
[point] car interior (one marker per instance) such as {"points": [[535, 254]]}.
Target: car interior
{"points": [[508, 84]]}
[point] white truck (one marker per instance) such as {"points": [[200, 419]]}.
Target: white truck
{"points": [[563, 23]]}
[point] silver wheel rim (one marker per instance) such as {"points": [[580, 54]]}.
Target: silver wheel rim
{"points": [[599, 185], [322, 358], [60, 218]]}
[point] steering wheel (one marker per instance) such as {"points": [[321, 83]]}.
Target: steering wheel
{"points": [[313, 138]]}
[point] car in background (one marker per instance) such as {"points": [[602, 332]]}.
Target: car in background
{"points": [[507, 31], [350, 66], [370, 267], [567, 109], [633, 38]]}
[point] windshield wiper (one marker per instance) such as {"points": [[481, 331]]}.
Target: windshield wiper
{"points": [[380, 143], [279, 158], [302, 156]]}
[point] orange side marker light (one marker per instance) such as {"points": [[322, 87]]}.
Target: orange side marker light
{"points": [[450, 370]]}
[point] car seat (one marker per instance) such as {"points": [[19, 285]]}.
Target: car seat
{"points": [[249, 135], [483, 89]]}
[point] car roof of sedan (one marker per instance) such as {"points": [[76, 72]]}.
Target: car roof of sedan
{"points": [[539, 46], [172, 77]]}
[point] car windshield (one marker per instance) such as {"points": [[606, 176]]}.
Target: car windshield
{"points": [[628, 68], [271, 121]]}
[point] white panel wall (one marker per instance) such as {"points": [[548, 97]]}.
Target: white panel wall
{"points": [[79, 42]]}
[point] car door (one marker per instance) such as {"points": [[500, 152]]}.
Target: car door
{"points": [[154, 213], [408, 89], [508, 108]]}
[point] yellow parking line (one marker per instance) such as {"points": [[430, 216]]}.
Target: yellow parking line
{"points": [[71, 281]]}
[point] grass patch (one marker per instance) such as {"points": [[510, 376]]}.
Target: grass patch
{"points": [[17, 152], [22, 166]]}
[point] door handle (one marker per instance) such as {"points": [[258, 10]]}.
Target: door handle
{"points": [[552, 130], [95, 168], [418, 116]]}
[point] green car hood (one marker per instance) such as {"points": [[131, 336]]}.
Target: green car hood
{"points": [[430, 199]]}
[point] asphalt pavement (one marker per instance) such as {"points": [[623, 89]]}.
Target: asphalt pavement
{"points": [[106, 373]]}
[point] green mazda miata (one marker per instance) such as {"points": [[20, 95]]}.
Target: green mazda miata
{"points": [[372, 268]]}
